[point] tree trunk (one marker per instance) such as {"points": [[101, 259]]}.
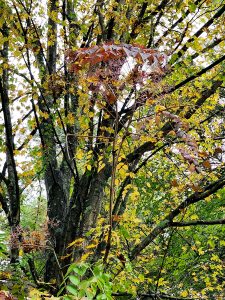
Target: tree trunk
{"points": [[13, 203]]}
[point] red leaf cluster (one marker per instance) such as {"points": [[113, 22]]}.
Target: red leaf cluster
{"points": [[110, 51], [110, 67]]}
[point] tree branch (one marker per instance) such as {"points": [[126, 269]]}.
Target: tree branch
{"points": [[32, 133], [197, 34], [205, 95], [111, 23], [197, 196], [13, 184], [216, 42], [5, 207], [160, 7], [52, 36], [181, 19], [198, 74], [198, 222], [194, 198], [137, 23], [149, 146]]}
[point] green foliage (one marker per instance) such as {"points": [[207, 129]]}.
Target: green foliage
{"points": [[116, 108], [96, 286], [33, 213], [3, 245]]}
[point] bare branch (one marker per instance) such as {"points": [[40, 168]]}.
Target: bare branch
{"points": [[197, 34]]}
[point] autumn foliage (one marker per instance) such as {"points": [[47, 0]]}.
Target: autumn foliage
{"points": [[106, 64], [112, 145]]}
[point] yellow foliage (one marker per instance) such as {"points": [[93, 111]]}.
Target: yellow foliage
{"points": [[89, 167], [184, 293], [76, 242]]}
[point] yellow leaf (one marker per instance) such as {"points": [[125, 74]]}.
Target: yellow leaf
{"points": [[215, 257], [132, 175], [35, 294], [150, 101], [66, 256], [161, 281], [172, 133], [5, 275], [45, 115], [91, 246], [79, 154], [89, 167], [200, 251], [70, 119], [157, 120], [91, 114], [160, 108], [141, 278], [194, 217], [76, 242], [195, 279], [122, 172], [85, 256], [101, 166], [184, 293], [133, 288], [117, 182]]}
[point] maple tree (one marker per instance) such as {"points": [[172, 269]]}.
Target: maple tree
{"points": [[117, 109]]}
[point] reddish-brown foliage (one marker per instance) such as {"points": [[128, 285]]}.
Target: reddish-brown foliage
{"points": [[6, 296], [110, 67], [109, 51]]}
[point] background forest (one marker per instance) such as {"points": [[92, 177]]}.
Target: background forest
{"points": [[112, 149]]}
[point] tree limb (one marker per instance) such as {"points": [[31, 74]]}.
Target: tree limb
{"points": [[181, 19], [197, 34], [194, 198], [198, 74], [198, 222], [5, 207]]}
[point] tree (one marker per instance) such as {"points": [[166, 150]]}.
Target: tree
{"points": [[94, 96]]}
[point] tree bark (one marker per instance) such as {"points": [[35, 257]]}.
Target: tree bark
{"points": [[13, 183]]}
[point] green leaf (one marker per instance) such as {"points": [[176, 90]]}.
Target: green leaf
{"points": [[192, 6], [97, 271], [60, 291], [75, 280], [72, 290], [67, 297], [72, 268], [84, 284], [81, 294], [124, 232], [82, 269], [105, 278], [76, 268], [90, 293]]}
